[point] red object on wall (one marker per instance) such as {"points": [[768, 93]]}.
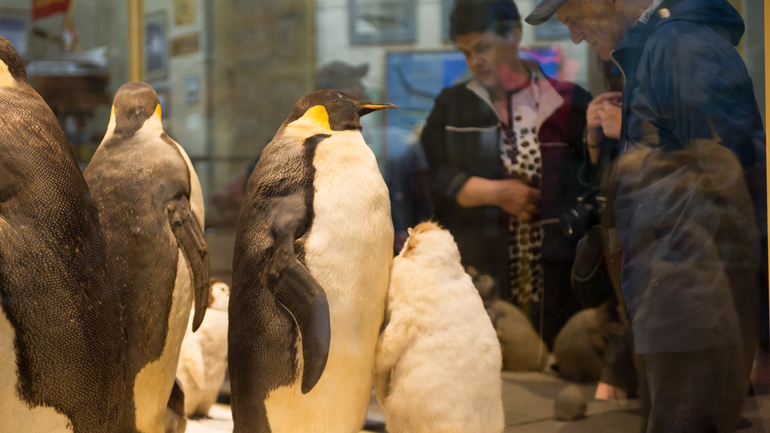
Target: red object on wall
{"points": [[44, 8]]}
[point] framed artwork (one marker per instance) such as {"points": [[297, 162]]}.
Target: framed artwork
{"points": [[184, 11], [191, 89], [414, 79], [155, 46], [186, 44], [446, 10], [164, 96], [14, 26], [381, 21]]}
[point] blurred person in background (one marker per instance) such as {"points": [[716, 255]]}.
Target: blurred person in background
{"points": [[504, 151], [687, 197]]}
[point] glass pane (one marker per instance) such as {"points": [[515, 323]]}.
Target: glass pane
{"points": [[599, 165]]}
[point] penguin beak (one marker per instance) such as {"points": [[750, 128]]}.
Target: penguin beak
{"points": [[365, 108]]}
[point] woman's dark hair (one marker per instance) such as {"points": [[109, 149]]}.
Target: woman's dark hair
{"points": [[498, 16]]}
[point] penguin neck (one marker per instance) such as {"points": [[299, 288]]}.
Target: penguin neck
{"points": [[6, 79], [153, 126]]}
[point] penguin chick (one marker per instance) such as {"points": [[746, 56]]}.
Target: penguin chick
{"points": [[580, 346], [523, 349], [438, 359], [203, 357]]}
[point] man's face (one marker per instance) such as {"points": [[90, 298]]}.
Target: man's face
{"points": [[489, 55], [594, 21]]}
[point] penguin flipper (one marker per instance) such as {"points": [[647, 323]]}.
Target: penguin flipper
{"points": [[189, 236], [300, 294]]}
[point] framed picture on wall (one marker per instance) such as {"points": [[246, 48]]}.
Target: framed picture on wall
{"points": [[155, 46], [164, 96], [381, 21], [14, 26], [184, 11], [446, 11]]}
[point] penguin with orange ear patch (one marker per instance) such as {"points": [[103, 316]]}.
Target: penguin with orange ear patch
{"points": [[311, 267], [151, 209]]}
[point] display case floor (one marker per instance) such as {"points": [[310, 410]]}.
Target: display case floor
{"points": [[528, 400]]}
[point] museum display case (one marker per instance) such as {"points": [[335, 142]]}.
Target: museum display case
{"points": [[599, 164]]}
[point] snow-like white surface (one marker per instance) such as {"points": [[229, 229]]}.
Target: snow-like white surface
{"points": [[220, 420]]}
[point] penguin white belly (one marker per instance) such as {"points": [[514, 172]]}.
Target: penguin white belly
{"points": [[154, 382], [16, 415], [348, 252]]}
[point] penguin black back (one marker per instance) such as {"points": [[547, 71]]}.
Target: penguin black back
{"points": [[58, 296], [275, 179], [151, 208]]}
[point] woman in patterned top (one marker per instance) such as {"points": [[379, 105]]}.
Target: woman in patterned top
{"points": [[504, 150]]}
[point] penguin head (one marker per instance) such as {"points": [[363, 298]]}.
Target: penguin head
{"points": [[333, 110], [133, 105], [429, 241], [219, 295], [11, 66]]}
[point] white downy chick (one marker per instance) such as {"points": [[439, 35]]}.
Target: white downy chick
{"points": [[203, 358], [438, 359]]}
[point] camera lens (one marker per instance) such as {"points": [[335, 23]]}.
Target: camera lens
{"points": [[577, 220], [569, 220]]}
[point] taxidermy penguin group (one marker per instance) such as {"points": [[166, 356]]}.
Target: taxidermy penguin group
{"points": [[310, 274], [151, 210], [61, 335], [99, 272]]}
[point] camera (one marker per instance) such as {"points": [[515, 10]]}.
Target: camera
{"points": [[576, 222]]}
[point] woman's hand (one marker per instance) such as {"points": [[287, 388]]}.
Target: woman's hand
{"points": [[511, 195], [518, 199]]}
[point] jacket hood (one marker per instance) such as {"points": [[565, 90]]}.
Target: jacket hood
{"points": [[719, 14]]}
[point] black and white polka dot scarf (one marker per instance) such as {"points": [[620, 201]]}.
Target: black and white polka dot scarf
{"points": [[522, 159]]}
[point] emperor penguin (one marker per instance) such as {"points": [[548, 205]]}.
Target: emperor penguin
{"points": [[151, 209], [310, 273], [61, 335]]}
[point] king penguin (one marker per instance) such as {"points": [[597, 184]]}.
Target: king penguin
{"points": [[151, 208], [61, 335], [311, 263]]}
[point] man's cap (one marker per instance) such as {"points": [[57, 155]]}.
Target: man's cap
{"points": [[338, 75], [543, 11]]}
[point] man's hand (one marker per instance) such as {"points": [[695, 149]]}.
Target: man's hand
{"points": [[595, 116], [611, 118], [518, 199]]}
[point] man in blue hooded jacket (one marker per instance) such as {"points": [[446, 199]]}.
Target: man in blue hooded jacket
{"points": [[687, 196]]}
